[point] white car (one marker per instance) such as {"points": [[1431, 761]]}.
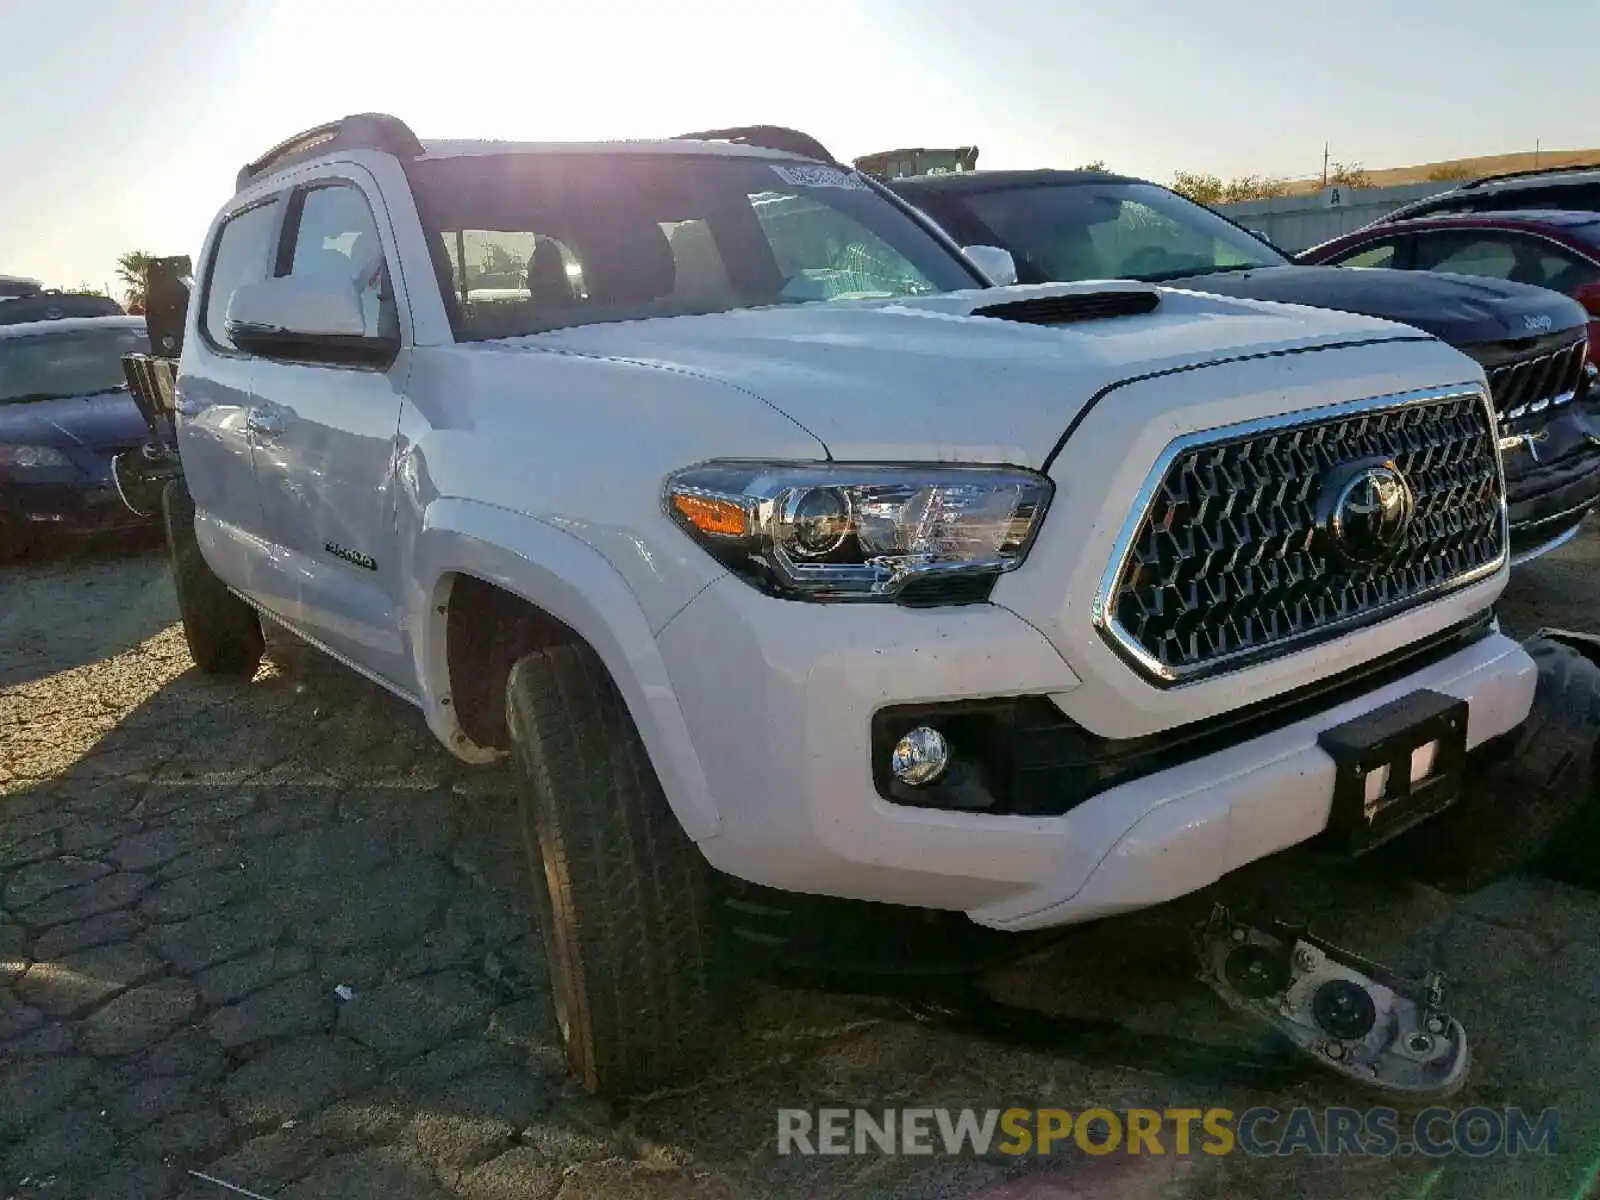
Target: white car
{"points": [[788, 558]]}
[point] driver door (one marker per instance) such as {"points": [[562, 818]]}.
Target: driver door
{"points": [[324, 439]]}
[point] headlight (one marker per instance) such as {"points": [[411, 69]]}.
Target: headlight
{"points": [[24, 457], [859, 531]]}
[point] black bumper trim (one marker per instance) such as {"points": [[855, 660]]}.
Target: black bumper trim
{"points": [[1022, 756]]}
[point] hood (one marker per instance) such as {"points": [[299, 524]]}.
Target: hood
{"points": [[926, 378], [101, 421], [1459, 309]]}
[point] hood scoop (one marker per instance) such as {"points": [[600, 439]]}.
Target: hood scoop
{"points": [[1074, 306]]}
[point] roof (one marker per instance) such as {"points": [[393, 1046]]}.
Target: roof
{"points": [[436, 148], [69, 325], [1565, 217], [1537, 177], [988, 181], [388, 134]]}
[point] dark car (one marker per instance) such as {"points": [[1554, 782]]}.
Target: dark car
{"points": [[65, 413], [1575, 188], [27, 300], [1532, 342], [1554, 249]]}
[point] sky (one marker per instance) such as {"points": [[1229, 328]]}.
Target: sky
{"points": [[123, 122]]}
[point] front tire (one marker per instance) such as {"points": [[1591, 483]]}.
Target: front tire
{"points": [[625, 900], [1528, 799], [223, 632]]}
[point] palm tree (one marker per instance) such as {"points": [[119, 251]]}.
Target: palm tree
{"points": [[132, 269]]}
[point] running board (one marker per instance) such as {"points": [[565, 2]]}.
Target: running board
{"points": [[343, 660]]}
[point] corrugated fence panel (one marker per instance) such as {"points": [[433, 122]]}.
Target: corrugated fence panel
{"points": [[1296, 223]]}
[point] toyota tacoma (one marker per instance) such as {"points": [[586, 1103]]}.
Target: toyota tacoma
{"points": [[799, 571]]}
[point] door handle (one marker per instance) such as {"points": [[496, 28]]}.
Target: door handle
{"points": [[268, 422]]}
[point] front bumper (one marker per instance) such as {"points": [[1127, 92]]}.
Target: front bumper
{"points": [[1549, 495], [74, 506], [783, 728], [1552, 466]]}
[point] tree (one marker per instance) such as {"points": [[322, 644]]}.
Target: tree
{"points": [[1348, 175], [1253, 187], [132, 269], [1445, 172], [1098, 164], [1202, 189], [88, 289]]}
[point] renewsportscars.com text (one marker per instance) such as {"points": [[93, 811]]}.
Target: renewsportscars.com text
{"points": [[1435, 1132]]}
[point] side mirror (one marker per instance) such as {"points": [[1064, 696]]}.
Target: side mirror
{"points": [[305, 319], [996, 264]]}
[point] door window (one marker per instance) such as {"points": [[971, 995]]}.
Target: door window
{"points": [[1373, 254], [1516, 257], [242, 256], [1487, 254], [336, 239]]}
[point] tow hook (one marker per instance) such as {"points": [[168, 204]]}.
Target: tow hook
{"points": [[1350, 1015]]}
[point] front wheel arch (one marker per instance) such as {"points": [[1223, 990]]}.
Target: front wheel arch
{"points": [[560, 588]]}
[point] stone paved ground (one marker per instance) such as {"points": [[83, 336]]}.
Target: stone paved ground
{"points": [[190, 872]]}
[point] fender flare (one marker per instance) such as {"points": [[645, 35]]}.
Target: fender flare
{"points": [[560, 573]]}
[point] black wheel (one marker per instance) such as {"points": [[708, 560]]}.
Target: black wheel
{"points": [[223, 632], [625, 900], [1523, 801]]}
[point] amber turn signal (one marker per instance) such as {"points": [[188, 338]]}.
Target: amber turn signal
{"points": [[721, 518]]}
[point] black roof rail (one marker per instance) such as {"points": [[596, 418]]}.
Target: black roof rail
{"points": [[1479, 182], [359, 131], [768, 137]]}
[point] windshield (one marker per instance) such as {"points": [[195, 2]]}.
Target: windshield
{"points": [[45, 366], [529, 242], [1067, 232]]}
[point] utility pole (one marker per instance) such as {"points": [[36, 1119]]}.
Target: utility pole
{"points": [[1536, 153], [1324, 166]]}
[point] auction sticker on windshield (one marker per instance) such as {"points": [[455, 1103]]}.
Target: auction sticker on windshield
{"points": [[819, 177]]}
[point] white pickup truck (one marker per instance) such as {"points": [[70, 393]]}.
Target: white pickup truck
{"points": [[792, 561]]}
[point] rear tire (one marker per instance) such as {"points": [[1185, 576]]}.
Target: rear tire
{"points": [[1525, 801], [223, 632], [625, 900]]}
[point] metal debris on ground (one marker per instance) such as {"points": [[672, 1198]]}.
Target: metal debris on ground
{"points": [[1353, 1016]]}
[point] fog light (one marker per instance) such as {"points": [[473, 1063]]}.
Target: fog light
{"points": [[920, 758]]}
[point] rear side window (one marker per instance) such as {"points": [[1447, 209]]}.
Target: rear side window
{"points": [[243, 255]]}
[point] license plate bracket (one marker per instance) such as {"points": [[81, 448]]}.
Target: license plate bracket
{"points": [[1375, 797]]}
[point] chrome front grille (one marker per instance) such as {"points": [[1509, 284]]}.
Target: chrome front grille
{"points": [[1229, 556], [1529, 379]]}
